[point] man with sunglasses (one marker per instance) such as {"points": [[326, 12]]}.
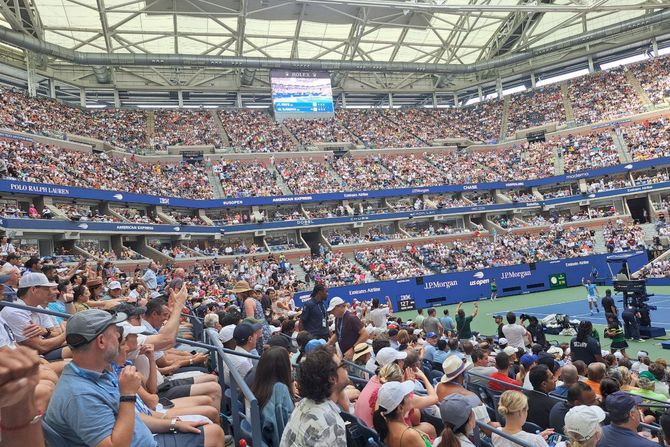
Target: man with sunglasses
{"points": [[90, 407]]}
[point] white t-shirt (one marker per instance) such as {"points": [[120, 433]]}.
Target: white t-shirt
{"points": [[18, 319], [242, 364], [6, 335], [514, 333], [378, 316], [529, 438]]}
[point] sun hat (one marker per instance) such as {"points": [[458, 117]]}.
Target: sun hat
{"points": [[453, 367]]}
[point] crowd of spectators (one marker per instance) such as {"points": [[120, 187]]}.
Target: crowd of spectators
{"points": [[542, 105], [623, 237], [84, 213], [332, 269], [136, 216], [602, 96], [309, 131], [374, 128], [481, 252], [34, 162], [255, 131], [365, 173], [185, 127], [241, 178], [589, 151], [228, 247], [304, 176], [654, 77], [389, 263], [648, 139]]}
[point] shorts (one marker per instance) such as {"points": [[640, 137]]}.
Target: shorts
{"points": [[174, 389], [181, 439], [592, 299]]}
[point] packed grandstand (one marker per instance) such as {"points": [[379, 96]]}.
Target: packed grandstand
{"points": [[210, 277]]}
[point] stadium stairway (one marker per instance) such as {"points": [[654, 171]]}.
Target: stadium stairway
{"points": [[505, 119], [559, 163], [333, 172], [567, 105], [300, 273], [599, 245], [291, 136], [151, 126], [622, 148], [217, 188], [279, 180], [632, 80], [225, 141]]}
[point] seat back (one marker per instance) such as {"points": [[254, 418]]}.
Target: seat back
{"points": [[531, 427]]}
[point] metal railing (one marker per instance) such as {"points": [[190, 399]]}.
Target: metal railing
{"points": [[482, 426], [236, 379]]}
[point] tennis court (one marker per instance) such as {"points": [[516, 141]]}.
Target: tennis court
{"points": [[570, 301]]}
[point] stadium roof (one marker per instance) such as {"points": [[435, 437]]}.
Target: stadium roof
{"points": [[455, 32]]}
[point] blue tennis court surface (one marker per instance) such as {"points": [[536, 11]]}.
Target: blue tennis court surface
{"points": [[580, 310]]}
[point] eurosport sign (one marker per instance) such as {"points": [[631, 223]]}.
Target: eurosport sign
{"points": [[15, 186], [452, 288]]}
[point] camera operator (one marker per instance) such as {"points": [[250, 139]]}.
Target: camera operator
{"points": [[631, 325]]}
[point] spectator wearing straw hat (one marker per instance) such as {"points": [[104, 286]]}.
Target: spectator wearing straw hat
{"points": [[362, 353]]}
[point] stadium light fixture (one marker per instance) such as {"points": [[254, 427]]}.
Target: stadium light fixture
{"points": [[624, 61], [563, 77]]}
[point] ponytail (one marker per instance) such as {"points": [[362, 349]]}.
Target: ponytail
{"points": [[449, 438], [379, 423]]}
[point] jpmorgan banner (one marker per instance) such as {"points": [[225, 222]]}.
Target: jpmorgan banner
{"points": [[452, 288]]}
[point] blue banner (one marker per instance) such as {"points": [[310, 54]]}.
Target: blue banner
{"points": [[13, 186], [123, 227], [452, 288]]}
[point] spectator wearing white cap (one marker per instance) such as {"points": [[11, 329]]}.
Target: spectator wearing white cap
{"points": [[582, 425], [349, 330], [30, 328], [9, 275], [392, 405], [114, 291], [384, 357]]}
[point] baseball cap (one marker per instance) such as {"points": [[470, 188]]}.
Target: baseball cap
{"points": [[282, 341], [647, 375], [455, 410], [391, 394], [35, 280], [7, 268], [528, 359], [226, 333], [129, 329], [388, 355], [642, 354], [114, 285], [84, 326], [243, 331], [620, 403], [509, 350], [258, 288], [431, 335], [336, 301], [502, 341], [130, 310], [583, 420], [313, 344]]}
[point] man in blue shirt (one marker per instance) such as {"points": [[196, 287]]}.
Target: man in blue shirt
{"points": [[447, 323], [625, 417], [91, 408], [150, 279], [314, 317], [592, 295]]}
